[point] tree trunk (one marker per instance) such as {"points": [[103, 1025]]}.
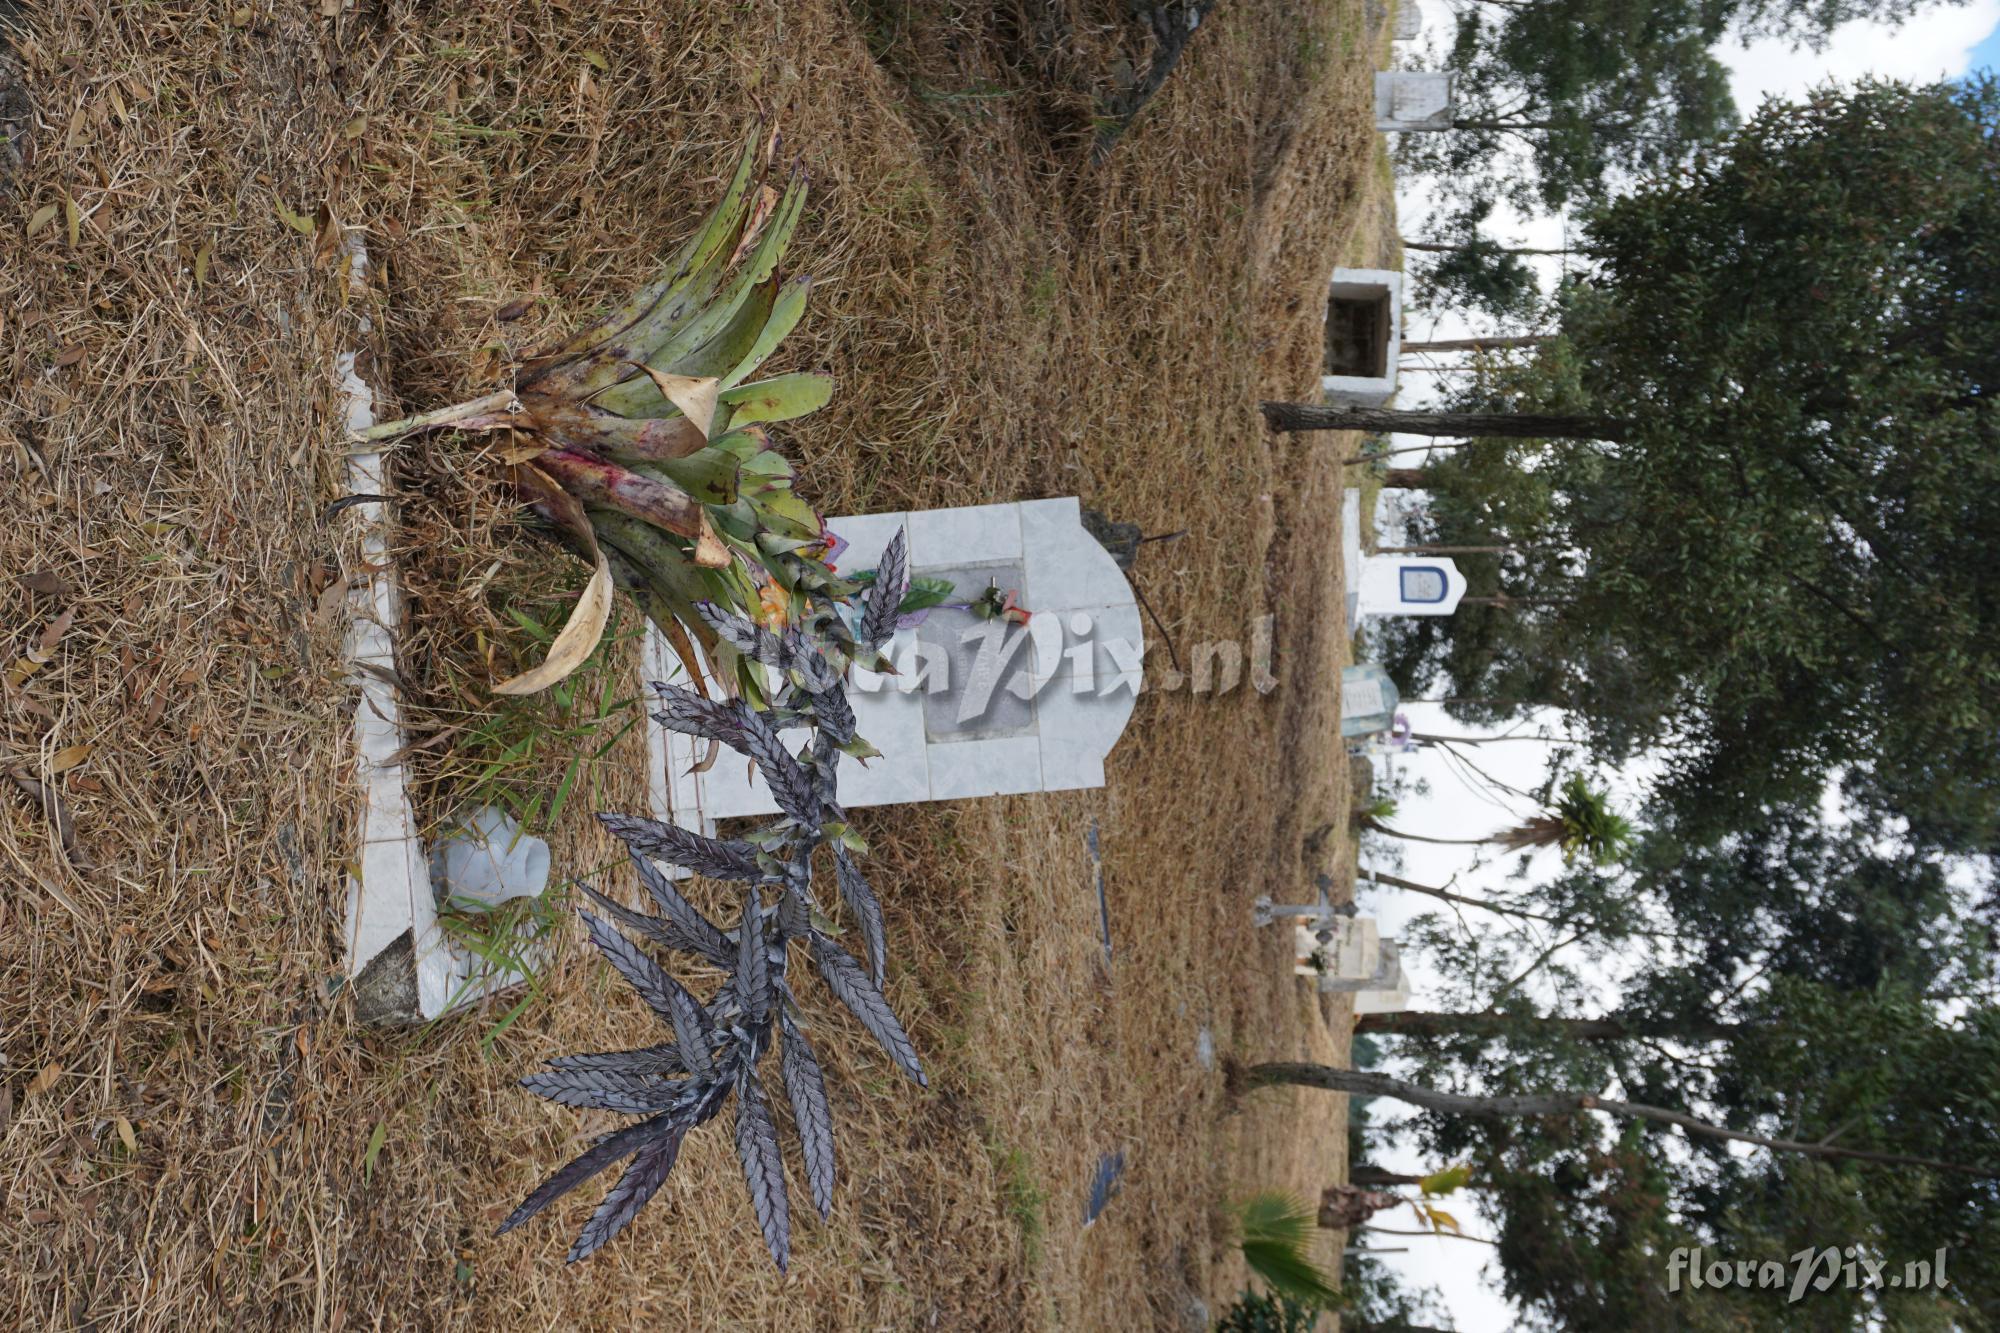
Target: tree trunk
{"points": [[1397, 882], [1406, 479], [1374, 825], [1477, 344], [1443, 550], [1491, 1023], [1362, 1083], [1507, 124], [1374, 1177], [1442, 248], [1514, 425]]}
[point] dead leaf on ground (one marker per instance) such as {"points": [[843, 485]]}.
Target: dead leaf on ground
{"points": [[332, 599], [51, 806], [44, 650], [45, 581], [45, 1080], [327, 233], [70, 756]]}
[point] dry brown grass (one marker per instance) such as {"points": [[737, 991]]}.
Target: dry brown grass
{"points": [[1007, 322]]}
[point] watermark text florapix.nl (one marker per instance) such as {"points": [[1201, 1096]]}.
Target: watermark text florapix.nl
{"points": [[1849, 1267]]}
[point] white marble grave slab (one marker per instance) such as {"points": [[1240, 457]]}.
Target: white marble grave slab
{"points": [[976, 708]]}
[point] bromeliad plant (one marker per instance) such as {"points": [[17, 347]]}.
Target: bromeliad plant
{"points": [[642, 443], [718, 1045]]}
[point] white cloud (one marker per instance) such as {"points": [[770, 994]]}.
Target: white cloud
{"points": [[1936, 44]]}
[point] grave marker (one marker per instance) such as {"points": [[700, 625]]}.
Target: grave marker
{"points": [[977, 707], [1407, 100], [1410, 585], [1364, 336], [1368, 700]]}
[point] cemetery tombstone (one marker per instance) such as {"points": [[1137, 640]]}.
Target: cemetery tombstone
{"points": [[977, 707], [1368, 700], [1384, 990], [1364, 336], [1407, 100], [1410, 585], [1409, 21], [1350, 553]]}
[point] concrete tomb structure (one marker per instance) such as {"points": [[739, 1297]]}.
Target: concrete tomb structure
{"points": [[1364, 336]]}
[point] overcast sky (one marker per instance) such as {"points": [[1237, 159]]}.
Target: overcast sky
{"points": [[1943, 43]]}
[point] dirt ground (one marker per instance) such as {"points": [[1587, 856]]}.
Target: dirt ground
{"points": [[193, 1130]]}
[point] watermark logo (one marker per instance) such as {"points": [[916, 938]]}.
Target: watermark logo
{"points": [[973, 666], [1849, 1267]]}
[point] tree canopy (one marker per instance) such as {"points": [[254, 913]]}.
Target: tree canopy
{"points": [[1763, 547], [1560, 101], [1798, 982]]}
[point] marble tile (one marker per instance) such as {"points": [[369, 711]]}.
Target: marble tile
{"points": [[985, 768], [1066, 567], [894, 724], [867, 536], [976, 534]]}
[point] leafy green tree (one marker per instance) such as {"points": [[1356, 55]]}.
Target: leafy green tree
{"points": [[1772, 451], [1560, 100], [1462, 268], [1805, 981], [1556, 97]]}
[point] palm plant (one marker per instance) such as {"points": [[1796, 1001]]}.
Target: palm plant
{"points": [[1581, 823], [1277, 1237]]}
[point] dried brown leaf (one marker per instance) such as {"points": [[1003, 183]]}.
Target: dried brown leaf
{"points": [[70, 756], [585, 626], [694, 395], [45, 581]]}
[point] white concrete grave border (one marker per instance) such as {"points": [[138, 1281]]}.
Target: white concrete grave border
{"points": [[401, 964], [1084, 646]]}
